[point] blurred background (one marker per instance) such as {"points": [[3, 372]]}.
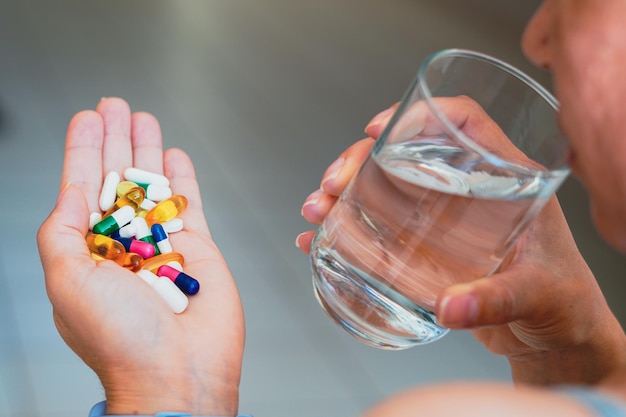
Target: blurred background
{"points": [[263, 95]]}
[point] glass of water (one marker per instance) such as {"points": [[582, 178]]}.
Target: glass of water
{"points": [[470, 157]]}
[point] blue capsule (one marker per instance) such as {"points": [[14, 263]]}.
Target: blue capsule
{"points": [[186, 283]]}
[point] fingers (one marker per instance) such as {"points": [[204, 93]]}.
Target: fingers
{"points": [[304, 240], [336, 178], [117, 151], [340, 172], [82, 166], [316, 206], [378, 123], [147, 142], [179, 169], [499, 299], [62, 235]]}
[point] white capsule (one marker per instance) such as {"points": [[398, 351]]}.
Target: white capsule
{"points": [[157, 192], [108, 193], [145, 177], [176, 265], [171, 294], [148, 276], [94, 218], [174, 225], [128, 231], [164, 246], [147, 204], [123, 215], [141, 227]]}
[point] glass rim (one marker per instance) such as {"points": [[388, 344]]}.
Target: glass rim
{"points": [[509, 69]]}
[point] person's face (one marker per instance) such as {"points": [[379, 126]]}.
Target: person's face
{"points": [[583, 44]]}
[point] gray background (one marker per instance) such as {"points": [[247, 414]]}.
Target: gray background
{"points": [[263, 95]]}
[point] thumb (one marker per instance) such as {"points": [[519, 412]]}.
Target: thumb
{"points": [[489, 301], [62, 234]]}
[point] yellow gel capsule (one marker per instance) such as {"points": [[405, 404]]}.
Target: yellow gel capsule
{"points": [[105, 246], [166, 209], [153, 264], [124, 187], [134, 197]]}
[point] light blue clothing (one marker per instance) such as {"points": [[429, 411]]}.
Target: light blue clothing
{"points": [[100, 409], [600, 404]]}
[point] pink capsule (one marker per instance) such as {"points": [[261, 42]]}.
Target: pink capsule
{"points": [[145, 249]]}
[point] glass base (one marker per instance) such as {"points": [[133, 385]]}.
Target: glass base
{"points": [[373, 314]]}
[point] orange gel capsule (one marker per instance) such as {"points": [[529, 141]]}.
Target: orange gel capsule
{"points": [[153, 264], [130, 261], [133, 198], [105, 246], [166, 209]]}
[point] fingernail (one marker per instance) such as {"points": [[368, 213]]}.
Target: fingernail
{"points": [[333, 171], [458, 311], [379, 118], [298, 240], [313, 198]]}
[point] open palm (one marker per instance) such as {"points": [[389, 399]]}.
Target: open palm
{"points": [[148, 358]]}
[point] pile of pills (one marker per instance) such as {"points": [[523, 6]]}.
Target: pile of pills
{"points": [[139, 212]]}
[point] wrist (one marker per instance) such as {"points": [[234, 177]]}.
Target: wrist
{"points": [[588, 361], [129, 393]]}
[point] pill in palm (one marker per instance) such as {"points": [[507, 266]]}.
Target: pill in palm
{"points": [[133, 197], [144, 249], [161, 238], [108, 192], [167, 209], [171, 294], [146, 177], [186, 283], [174, 225], [114, 221], [139, 213]]}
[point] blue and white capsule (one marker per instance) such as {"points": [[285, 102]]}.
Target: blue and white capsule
{"points": [[161, 238]]}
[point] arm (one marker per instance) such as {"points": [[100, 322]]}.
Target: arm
{"points": [[544, 310], [147, 358]]}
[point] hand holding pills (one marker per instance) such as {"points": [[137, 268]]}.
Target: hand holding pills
{"points": [[113, 305]]}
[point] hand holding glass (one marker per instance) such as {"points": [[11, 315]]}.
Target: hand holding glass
{"points": [[470, 157]]}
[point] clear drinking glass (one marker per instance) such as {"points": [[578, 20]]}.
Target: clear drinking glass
{"points": [[470, 157]]}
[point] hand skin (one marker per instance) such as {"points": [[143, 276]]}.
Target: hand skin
{"points": [[147, 358], [544, 310]]}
